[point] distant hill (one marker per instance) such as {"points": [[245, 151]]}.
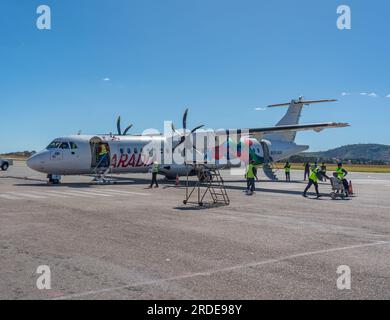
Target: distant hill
{"points": [[18, 155], [358, 153]]}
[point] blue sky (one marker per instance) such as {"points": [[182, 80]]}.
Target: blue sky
{"points": [[221, 58]]}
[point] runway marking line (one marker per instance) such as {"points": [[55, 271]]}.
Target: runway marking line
{"points": [[85, 193], [125, 192], [227, 269], [25, 195], [8, 197]]}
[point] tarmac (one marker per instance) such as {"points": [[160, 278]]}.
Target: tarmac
{"points": [[124, 241]]}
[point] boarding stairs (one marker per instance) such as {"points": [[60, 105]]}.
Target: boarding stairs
{"points": [[209, 181], [103, 175], [270, 172]]}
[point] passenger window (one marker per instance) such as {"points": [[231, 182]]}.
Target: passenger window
{"points": [[135, 150], [64, 145], [128, 150], [121, 151], [151, 153], [73, 146]]}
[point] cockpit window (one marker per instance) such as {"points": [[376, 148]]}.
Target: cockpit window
{"points": [[54, 145], [73, 146], [59, 145], [64, 145]]}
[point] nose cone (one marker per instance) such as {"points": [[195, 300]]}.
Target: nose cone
{"points": [[33, 162], [36, 162]]}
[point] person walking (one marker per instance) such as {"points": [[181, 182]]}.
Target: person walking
{"points": [[251, 174], [307, 170], [155, 169], [323, 172], [313, 180], [287, 170]]}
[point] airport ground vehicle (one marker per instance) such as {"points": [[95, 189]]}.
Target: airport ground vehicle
{"points": [[5, 164]]}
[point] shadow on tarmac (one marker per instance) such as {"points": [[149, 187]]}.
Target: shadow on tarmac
{"points": [[165, 184]]}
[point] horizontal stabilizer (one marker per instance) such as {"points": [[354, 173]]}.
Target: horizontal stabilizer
{"points": [[303, 102]]}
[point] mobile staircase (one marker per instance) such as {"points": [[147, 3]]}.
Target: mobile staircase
{"points": [[209, 181]]}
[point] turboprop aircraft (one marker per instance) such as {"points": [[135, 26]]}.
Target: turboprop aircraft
{"points": [[79, 154]]}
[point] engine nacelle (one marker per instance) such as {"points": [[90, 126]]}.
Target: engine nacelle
{"points": [[172, 171]]}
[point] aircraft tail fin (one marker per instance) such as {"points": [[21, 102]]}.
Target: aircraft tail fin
{"points": [[292, 117]]}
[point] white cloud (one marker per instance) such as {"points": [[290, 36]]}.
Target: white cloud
{"points": [[260, 109], [388, 96], [372, 94], [364, 94], [346, 94], [106, 79]]}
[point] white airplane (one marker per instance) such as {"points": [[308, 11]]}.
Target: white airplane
{"points": [[79, 154]]}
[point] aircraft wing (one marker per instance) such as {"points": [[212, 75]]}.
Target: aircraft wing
{"points": [[299, 127], [259, 132]]}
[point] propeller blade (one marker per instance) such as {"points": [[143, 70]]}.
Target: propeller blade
{"points": [[118, 125], [185, 120], [197, 151], [197, 128], [127, 129], [180, 142], [174, 130]]}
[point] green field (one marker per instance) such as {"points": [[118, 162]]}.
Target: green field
{"points": [[348, 167]]}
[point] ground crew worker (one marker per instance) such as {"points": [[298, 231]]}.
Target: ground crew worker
{"points": [[323, 172], [307, 170], [103, 156], [313, 179], [251, 174], [341, 174], [155, 169], [287, 170]]}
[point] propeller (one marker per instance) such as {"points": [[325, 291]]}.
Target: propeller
{"points": [[183, 135], [118, 126]]}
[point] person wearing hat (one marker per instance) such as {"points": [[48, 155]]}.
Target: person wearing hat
{"points": [[250, 175]]}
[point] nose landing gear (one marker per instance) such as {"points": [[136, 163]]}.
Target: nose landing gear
{"points": [[54, 179]]}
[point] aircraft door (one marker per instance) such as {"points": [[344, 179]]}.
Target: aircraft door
{"points": [[100, 152]]}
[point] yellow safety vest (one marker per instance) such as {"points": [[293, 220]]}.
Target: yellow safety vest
{"points": [[340, 173], [155, 168], [103, 150], [249, 171], [287, 168], [313, 174]]}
